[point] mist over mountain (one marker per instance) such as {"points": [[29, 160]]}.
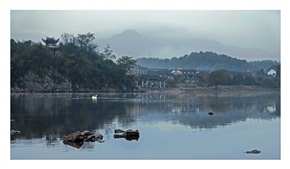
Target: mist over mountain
{"points": [[130, 43], [134, 44]]}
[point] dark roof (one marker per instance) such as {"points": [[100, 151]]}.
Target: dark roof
{"points": [[151, 77], [50, 40]]}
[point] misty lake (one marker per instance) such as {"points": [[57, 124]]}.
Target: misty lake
{"points": [[171, 126]]}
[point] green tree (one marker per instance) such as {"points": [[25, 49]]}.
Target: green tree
{"points": [[269, 82], [20, 51], [30, 62], [127, 63], [86, 42], [76, 64], [67, 38], [40, 62], [108, 53], [218, 77], [278, 71]]}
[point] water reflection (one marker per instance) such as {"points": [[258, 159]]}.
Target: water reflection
{"points": [[53, 116]]}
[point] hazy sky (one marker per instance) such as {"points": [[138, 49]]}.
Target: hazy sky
{"points": [[241, 28]]}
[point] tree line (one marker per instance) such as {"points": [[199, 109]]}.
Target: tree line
{"points": [[258, 78], [206, 61], [223, 77], [76, 65]]}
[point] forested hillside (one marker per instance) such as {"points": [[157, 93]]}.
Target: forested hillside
{"points": [[206, 61], [75, 65]]}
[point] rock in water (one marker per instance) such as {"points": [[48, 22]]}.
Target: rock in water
{"points": [[128, 134], [210, 113], [86, 133], [253, 151], [76, 136]]}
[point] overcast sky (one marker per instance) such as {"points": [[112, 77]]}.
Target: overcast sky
{"points": [[241, 28]]}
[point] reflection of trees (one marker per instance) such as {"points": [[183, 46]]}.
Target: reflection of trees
{"points": [[218, 104], [192, 109], [38, 116]]}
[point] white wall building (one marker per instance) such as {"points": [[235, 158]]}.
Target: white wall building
{"points": [[272, 72]]}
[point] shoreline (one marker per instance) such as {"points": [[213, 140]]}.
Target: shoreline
{"points": [[213, 90], [176, 90]]}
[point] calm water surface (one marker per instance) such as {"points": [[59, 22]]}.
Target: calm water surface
{"points": [[172, 126]]}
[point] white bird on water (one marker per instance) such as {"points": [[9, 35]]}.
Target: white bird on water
{"points": [[94, 97]]}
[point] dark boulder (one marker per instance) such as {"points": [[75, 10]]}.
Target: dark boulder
{"points": [[128, 134], [74, 137], [77, 138]]}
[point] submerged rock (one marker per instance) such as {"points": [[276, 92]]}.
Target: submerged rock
{"points": [[15, 132], [253, 151], [128, 134], [210, 113]]}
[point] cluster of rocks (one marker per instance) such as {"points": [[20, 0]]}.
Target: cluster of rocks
{"points": [[78, 138]]}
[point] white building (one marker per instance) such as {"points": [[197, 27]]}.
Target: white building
{"points": [[176, 72], [272, 72]]}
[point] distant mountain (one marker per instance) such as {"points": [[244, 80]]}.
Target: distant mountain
{"points": [[132, 43], [205, 61], [264, 64]]}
